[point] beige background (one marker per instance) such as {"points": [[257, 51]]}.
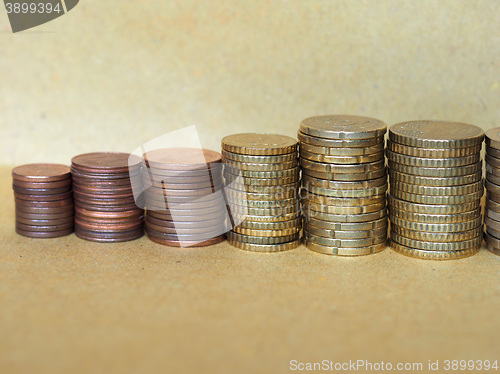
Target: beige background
{"points": [[112, 75]]}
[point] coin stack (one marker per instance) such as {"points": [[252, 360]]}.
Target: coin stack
{"points": [[105, 208], [44, 200], [492, 211], [262, 177], [436, 186], [184, 200], [343, 184]]}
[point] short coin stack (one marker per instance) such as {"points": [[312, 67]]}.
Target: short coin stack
{"points": [[436, 187], [344, 184], [184, 200], [492, 212], [262, 177], [105, 208], [44, 201]]}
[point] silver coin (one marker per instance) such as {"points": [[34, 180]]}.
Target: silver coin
{"points": [[344, 176], [336, 251], [432, 255], [437, 172], [343, 127], [492, 214], [492, 188], [492, 161], [493, 138], [435, 246], [435, 218], [317, 157], [493, 205], [342, 226], [438, 191], [437, 237], [432, 162], [436, 227], [436, 200], [491, 223], [493, 152], [339, 143], [339, 234], [493, 232], [435, 181], [491, 240], [345, 243], [493, 178], [342, 151], [341, 169]]}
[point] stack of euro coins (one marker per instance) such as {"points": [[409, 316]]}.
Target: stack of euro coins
{"points": [[184, 201], [105, 207], [262, 178], [436, 186], [44, 200], [344, 184], [492, 210]]}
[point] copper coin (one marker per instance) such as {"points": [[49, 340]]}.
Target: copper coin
{"points": [[107, 208], [45, 216], [180, 158], [99, 178], [109, 215], [93, 220], [185, 225], [41, 191], [99, 195], [103, 162], [44, 222], [109, 237], [63, 196], [106, 183], [41, 173], [43, 204], [59, 209], [45, 234], [193, 218], [108, 226], [173, 243], [106, 190], [42, 185], [48, 228], [110, 201]]}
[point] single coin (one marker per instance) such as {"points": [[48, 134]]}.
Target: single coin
{"points": [[244, 166], [278, 211], [493, 249], [41, 173], [106, 208], [134, 213], [180, 159], [250, 181], [431, 209], [262, 174], [43, 204], [435, 181], [492, 214], [492, 205], [492, 188], [342, 226], [341, 169], [44, 234], [82, 178], [492, 161], [41, 192], [259, 144], [433, 153], [310, 198], [342, 218], [436, 134], [436, 227], [339, 143], [432, 162], [45, 216], [493, 178], [493, 232], [262, 185], [317, 157], [63, 196], [493, 138], [233, 236], [344, 176], [435, 246], [347, 193], [432, 255], [446, 237], [443, 172], [436, 218], [106, 162], [336, 251], [310, 209], [107, 226], [344, 151], [350, 185], [253, 159], [263, 204], [491, 241], [187, 243], [92, 220], [239, 217], [107, 237], [492, 170], [186, 195], [44, 222], [345, 243], [343, 127], [51, 210], [243, 196], [106, 184], [295, 223], [42, 185], [439, 191], [264, 247], [98, 195], [436, 200], [493, 152], [338, 234], [46, 228], [266, 233], [491, 223]]}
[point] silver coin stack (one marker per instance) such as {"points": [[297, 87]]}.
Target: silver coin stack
{"points": [[344, 184], [435, 177], [492, 211], [262, 178]]}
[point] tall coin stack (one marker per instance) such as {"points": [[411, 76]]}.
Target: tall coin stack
{"points": [[44, 201], [105, 208], [262, 177], [492, 212], [436, 187], [184, 200], [344, 184]]}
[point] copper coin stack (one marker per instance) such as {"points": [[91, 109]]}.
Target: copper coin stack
{"points": [[184, 200], [492, 211], [105, 208], [344, 184], [262, 177], [44, 200], [436, 186]]}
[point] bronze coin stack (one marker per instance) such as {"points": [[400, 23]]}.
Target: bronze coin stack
{"points": [[184, 200], [492, 211], [262, 177], [44, 200], [436, 186], [105, 208], [344, 184]]}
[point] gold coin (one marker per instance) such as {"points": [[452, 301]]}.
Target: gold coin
{"points": [[350, 185], [435, 181], [235, 165], [265, 204], [442, 172], [340, 201], [432, 255], [446, 237], [344, 176], [242, 195], [265, 247], [343, 127], [280, 189], [339, 143], [339, 169], [284, 225], [310, 209], [342, 151], [276, 159], [439, 191], [493, 152], [287, 173], [433, 153], [435, 218], [266, 233], [336, 251], [369, 192], [233, 236], [436, 246], [259, 144], [339, 234], [235, 180], [436, 227], [244, 210], [238, 217], [492, 170], [431, 209], [436, 200], [345, 243], [343, 160], [493, 138], [432, 162], [343, 226], [342, 218]]}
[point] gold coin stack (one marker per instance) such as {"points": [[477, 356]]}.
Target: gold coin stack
{"points": [[262, 177], [344, 184], [436, 186], [492, 211]]}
